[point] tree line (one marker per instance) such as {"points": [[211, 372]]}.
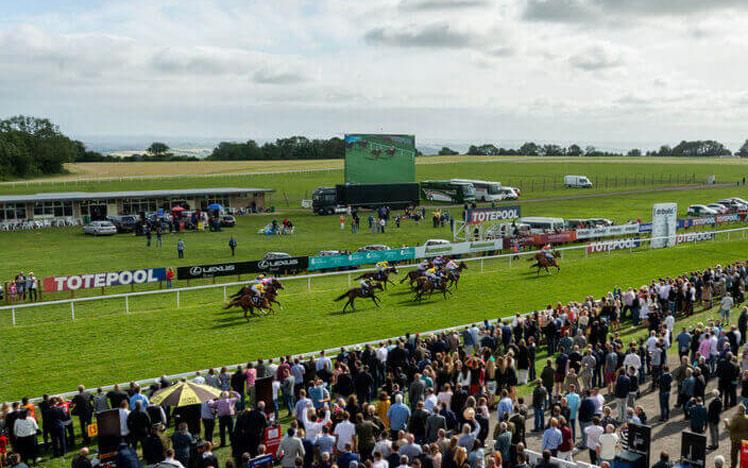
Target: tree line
{"points": [[295, 147], [696, 148]]}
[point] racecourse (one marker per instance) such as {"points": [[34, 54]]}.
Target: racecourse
{"points": [[105, 346]]}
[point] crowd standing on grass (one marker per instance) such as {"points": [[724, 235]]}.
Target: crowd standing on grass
{"points": [[428, 401], [23, 288]]}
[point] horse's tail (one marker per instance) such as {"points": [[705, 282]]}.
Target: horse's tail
{"points": [[229, 305], [535, 265], [342, 296], [405, 278]]}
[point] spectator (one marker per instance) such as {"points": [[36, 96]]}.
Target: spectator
{"points": [[180, 248], [290, 448], [182, 442], [713, 419], [81, 460], [608, 443]]}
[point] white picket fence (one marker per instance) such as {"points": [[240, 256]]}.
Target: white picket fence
{"points": [[177, 292]]}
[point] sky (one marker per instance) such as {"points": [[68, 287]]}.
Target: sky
{"points": [[547, 70]]}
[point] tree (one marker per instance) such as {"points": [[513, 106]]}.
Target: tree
{"points": [[743, 151], [529, 149], [552, 150], [445, 151], [634, 152], [665, 150], [158, 148], [574, 150]]}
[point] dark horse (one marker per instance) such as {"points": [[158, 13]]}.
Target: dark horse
{"points": [[412, 276], [543, 262], [453, 276], [247, 290], [249, 304], [353, 293], [381, 276], [424, 285]]}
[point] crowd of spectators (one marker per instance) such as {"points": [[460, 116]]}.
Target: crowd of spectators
{"points": [[428, 401], [24, 287]]}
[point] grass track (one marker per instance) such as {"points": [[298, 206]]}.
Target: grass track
{"points": [[104, 346]]}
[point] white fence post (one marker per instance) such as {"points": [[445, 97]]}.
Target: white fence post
{"points": [[309, 283], [177, 298], [349, 280], [127, 304], [72, 310], [481, 264], [13, 315], [224, 294]]}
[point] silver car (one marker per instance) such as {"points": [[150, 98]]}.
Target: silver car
{"points": [[100, 228]]}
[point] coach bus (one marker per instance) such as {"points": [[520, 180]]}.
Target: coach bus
{"points": [[448, 191], [484, 190]]}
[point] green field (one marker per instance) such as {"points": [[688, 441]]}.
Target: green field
{"points": [[53, 354]]}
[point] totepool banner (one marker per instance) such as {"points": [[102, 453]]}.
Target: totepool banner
{"points": [[482, 215], [608, 231], [712, 220], [100, 280], [617, 244], [664, 225], [380, 159], [361, 258], [694, 237], [459, 248]]}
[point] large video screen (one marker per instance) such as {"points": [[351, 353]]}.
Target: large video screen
{"points": [[380, 159]]}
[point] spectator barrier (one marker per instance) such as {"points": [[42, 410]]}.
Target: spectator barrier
{"points": [[586, 249]]}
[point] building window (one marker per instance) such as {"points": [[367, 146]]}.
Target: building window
{"points": [[135, 206], [88, 207], [12, 211], [222, 200], [57, 209]]}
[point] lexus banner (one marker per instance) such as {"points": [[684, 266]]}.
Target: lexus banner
{"points": [[286, 266]]}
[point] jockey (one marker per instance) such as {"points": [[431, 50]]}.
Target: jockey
{"points": [[383, 265], [258, 289], [433, 275], [548, 251], [451, 265], [365, 286], [266, 281], [439, 261], [423, 266]]}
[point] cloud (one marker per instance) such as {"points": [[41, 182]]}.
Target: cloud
{"points": [[278, 77], [197, 60], [437, 5], [576, 11], [597, 57], [433, 36]]}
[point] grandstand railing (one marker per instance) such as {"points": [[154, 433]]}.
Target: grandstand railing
{"points": [[332, 351], [309, 277]]}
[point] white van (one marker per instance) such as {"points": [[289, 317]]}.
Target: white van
{"points": [[540, 225], [577, 181], [508, 193]]}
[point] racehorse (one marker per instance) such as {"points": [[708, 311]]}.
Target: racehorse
{"points": [[412, 276], [425, 285], [353, 293], [381, 276], [247, 290], [453, 276], [543, 262], [249, 304]]}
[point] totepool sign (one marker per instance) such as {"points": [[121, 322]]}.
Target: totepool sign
{"points": [[100, 280], [618, 244], [482, 215]]}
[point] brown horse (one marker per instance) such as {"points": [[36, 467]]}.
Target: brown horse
{"points": [[424, 285], [353, 293], [412, 276], [543, 262], [249, 304], [247, 290], [380, 276], [453, 276]]}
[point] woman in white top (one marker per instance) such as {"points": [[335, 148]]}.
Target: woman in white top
{"points": [[607, 444], [445, 396], [24, 430]]}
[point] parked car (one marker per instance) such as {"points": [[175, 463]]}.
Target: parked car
{"points": [[508, 193], [275, 255], [599, 222], [701, 210], [373, 248], [719, 208], [100, 228], [228, 221], [732, 204], [433, 242], [125, 223]]}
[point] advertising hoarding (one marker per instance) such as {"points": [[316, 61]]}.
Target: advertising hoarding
{"points": [[664, 225]]}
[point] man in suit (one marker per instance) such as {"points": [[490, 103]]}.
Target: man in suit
{"points": [[84, 410], [434, 422], [57, 418], [289, 449], [248, 431], [416, 390]]}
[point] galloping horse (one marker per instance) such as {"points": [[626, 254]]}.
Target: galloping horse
{"points": [[353, 293], [247, 290], [543, 262], [248, 304], [425, 285], [412, 276], [381, 276], [453, 276]]}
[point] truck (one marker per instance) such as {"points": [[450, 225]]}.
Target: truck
{"points": [[330, 200], [577, 181]]}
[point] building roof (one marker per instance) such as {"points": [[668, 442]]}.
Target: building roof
{"points": [[79, 196]]}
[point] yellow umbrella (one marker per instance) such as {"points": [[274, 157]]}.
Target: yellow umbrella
{"points": [[184, 394]]}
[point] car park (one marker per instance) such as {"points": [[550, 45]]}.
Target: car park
{"points": [[701, 210], [719, 208], [100, 228], [124, 223], [733, 204]]}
